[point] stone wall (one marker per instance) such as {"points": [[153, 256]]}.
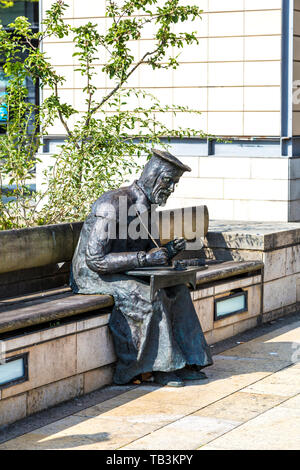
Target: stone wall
{"points": [[261, 189], [232, 75], [277, 245], [229, 326], [86, 355]]}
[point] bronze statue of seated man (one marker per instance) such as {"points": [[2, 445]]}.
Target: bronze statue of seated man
{"points": [[163, 335]]}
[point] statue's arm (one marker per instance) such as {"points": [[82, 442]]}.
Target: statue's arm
{"points": [[100, 259], [98, 251]]}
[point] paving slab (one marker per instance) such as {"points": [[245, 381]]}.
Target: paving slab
{"points": [[269, 350], [282, 383], [289, 330], [243, 364], [242, 405], [75, 431], [292, 403], [187, 433], [276, 429], [137, 410]]}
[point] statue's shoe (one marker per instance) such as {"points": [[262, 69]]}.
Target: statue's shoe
{"points": [[168, 378], [189, 374]]}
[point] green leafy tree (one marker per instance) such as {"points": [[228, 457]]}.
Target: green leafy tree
{"points": [[102, 144]]}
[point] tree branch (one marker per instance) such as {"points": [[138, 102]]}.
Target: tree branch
{"points": [[62, 120], [95, 109]]}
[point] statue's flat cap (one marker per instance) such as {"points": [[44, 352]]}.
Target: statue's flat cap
{"points": [[170, 159]]}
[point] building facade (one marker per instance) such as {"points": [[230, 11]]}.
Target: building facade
{"points": [[244, 77]]}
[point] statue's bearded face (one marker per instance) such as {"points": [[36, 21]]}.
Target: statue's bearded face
{"points": [[164, 186]]}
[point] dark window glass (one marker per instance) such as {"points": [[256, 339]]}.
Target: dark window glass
{"points": [[20, 8], [3, 85], [8, 15]]}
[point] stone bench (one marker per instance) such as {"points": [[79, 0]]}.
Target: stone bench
{"points": [[63, 338], [47, 306], [55, 304]]}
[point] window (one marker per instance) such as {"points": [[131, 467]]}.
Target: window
{"points": [[7, 15], [235, 302], [3, 84], [14, 370], [21, 8]]}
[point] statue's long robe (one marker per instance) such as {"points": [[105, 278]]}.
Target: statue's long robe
{"points": [[159, 335]]}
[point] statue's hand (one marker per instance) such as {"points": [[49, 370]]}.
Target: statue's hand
{"points": [[157, 257], [175, 246]]}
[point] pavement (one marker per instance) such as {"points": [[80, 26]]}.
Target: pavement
{"points": [[250, 401]]}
